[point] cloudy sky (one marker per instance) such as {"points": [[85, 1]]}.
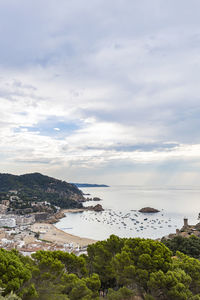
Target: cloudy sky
{"points": [[104, 91]]}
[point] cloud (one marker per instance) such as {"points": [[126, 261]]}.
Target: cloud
{"points": [[97, 85]]}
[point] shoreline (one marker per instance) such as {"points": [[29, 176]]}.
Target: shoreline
{"points": [[53, 219], [73, 210], [51, 233]]}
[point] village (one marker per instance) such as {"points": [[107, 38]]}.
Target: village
{"points": [[27, 233]]}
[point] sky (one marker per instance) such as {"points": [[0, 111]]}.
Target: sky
{"points": [[101, 91]]}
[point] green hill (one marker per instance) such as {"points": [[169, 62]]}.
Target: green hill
{"points": [[37, 187]]}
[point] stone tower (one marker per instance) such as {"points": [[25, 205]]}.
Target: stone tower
{"points": [[185, 222]]}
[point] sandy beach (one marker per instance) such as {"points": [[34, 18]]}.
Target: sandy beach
{"points": [[74, 210], [50, 233]]}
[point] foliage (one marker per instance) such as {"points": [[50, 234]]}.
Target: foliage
{"points": [[13, 273], [61, 275], [122, 294], [127, 261], [85, 288], [70, 262], [10, 296], [147, 256], [173, 284], [189, 246], [191, 266], [99, 259], [37, 187], [118, 267]]}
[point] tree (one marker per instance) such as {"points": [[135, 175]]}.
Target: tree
{"points": [[47, 272], [124, 268], [189, 246], [13, 274], [59, 275], [173, 285], [72, 263], [146, 256], [76, 288], [122, 294], [191, 266], [99, 259], [93, 283]]}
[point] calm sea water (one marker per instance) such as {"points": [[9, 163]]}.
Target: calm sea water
{"points": [[121, 216]]}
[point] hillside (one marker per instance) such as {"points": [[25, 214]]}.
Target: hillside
{"points": [[37, 187]]}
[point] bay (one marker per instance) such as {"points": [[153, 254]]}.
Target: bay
{"points": [[121, 216]]}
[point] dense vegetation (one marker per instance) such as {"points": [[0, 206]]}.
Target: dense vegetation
{"points": [[189, 246], [119, 268], [37, 187]]}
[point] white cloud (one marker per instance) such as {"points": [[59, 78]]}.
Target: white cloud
{"points": [[125, 75]]}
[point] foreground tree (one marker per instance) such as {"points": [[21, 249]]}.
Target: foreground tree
{"points": [[13, 273], [173, 285], [59, 275], [117, 268], [99, 259], [191, 266], [138, 259]]}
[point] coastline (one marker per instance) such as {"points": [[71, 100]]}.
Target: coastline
{"points": [[73, 210], [50, 233], [53, 219]]}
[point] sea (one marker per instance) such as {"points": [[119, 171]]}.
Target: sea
{"points": [[121, 214]]}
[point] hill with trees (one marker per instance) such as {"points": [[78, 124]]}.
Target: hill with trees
{"points": [[37, 187]]}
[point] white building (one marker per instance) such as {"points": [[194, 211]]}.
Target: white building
{"points": [[7, 222]]}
